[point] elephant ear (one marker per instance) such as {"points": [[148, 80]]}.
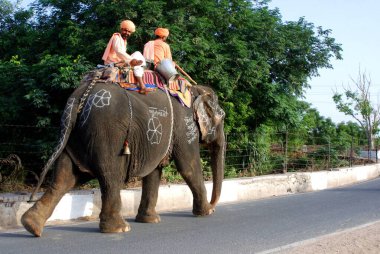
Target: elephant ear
{"points": [[208, 114]]}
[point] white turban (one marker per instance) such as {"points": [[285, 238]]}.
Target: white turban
{"points": [[127, 24]]}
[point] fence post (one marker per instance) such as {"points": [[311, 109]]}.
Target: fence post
{"points": [[369, 150], [329, 157], [352, 151], [285, 170]]}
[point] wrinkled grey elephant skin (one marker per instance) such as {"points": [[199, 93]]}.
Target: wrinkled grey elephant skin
{"points": [[155, 128]]}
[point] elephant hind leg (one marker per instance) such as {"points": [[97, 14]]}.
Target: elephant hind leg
{"points": [[147, 209], [35, 218], [111, 220], [111, 182]]}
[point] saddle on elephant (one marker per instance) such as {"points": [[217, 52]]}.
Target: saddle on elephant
{"points": [[125, 78]]}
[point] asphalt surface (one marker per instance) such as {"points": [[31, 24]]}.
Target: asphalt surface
{"points": [[249, 227]]}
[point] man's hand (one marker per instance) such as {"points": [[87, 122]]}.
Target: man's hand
{"points": [[135, 62]]}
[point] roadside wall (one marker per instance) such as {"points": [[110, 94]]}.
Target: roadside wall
{"points": [[87, 204]]}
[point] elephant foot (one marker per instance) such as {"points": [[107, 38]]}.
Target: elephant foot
{"points": [[148, 218], [208, 210], [114, 226], [33, 222]]}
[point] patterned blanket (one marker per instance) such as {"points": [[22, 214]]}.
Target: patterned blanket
{"points": [[153, 80]]}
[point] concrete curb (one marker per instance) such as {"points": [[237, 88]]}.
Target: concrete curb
{"points": [[87, 204]]}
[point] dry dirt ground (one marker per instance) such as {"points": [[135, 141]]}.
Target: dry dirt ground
{"points": [[364, 239]]}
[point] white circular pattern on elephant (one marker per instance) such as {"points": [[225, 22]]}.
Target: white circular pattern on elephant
{"points": [[101, 98], [154, 132]]}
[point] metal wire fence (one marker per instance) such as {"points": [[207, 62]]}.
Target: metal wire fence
{"points": [[288, 152], [246, 154]]}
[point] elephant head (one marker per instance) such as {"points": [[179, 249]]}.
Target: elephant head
{"points": [[210, 118]]}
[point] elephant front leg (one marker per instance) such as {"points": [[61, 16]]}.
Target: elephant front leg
{"points": [[150, 184], [192, 174], [111, 220]]}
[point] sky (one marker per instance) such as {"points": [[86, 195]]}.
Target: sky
{"points": [[355, 25]]}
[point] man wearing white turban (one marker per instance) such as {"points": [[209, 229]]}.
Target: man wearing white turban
{"points": [[116, 52]]}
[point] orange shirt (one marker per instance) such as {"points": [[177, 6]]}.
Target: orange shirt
{"points": [[161, 50]]}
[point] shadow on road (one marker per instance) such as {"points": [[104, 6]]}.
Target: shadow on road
{"points": [[16, 235], [79, 229], [178, 214]]}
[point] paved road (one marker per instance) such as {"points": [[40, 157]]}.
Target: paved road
{"points": [[249, 227]]}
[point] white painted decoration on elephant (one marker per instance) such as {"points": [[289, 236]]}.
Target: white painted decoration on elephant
{"points": [[154, 133], [192, 131], [101, 99]]}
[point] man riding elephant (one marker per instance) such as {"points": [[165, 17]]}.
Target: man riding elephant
{"points": [[116, 52], [157, 49], [159, 54]]}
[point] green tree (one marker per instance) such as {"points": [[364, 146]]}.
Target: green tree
{"points": [[50, 83], [349, 134], [356, 102], [16, 31], [12, 101], [258, 64]]}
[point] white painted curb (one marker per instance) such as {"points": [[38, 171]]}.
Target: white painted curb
{"points": [[86, 204]]}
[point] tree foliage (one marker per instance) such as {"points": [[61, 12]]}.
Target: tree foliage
{"points": [[356, 102], [258, 64]]}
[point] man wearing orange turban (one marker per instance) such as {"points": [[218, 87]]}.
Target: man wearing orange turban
{"points": [[116, 52], [162, 32], [158, 52], [158, 49]]}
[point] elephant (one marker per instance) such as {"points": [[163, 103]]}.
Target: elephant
{"points": [[111, 134]]}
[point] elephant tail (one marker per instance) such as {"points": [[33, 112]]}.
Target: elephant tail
{"points": [[68, 121]]}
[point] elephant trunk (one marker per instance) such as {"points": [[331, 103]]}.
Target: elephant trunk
{"points": [[218, 149]]}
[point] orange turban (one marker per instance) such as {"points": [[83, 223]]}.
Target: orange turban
{"points": [[162, 32], [128, 25]]}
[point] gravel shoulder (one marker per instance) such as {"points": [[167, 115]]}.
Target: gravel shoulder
{"points": [[362, 239]]}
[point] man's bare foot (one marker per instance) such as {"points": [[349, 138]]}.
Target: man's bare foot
{"points": [[135, 62], [143, 91]]}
